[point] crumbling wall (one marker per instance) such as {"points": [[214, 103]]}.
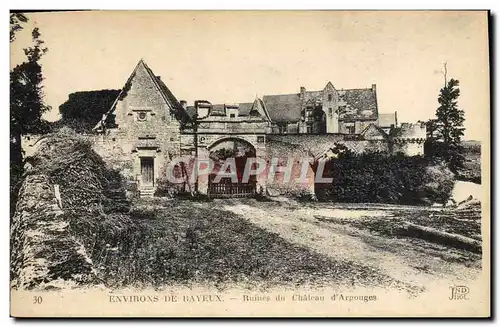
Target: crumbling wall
{"points": [[44, 252], [63, 205], [291, 156], [316, 145]]}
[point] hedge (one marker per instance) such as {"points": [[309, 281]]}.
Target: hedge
{"points": [[382, 178]]}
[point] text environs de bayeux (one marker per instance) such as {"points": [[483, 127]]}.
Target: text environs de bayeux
{"points": [[165, 298]]}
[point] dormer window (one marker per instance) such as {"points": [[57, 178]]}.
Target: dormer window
{"points": [[141, 116]]}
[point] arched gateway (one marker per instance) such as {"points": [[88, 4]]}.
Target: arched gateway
{"points": [[227, 135], [230, 157]]}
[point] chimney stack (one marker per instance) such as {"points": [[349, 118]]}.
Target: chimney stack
{"points": [[203, 108], [302, 92], [374, 87], [183, 104]]}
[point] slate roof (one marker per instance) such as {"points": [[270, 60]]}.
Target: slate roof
{"points": [[244, 109], [360, 104], [283, 107]]}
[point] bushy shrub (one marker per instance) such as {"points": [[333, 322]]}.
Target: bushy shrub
{"points": [[382, 178], [437, 184]]}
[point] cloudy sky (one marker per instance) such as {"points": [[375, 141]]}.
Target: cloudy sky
{"points": [[234, 56]]}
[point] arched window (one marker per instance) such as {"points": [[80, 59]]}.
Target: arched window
{"points": [[330, 97]]}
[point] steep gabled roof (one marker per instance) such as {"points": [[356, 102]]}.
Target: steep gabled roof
{"points": [[259, 109], [373, 132], [283, 107], [361, 104], [169, 97], [179, 112]]}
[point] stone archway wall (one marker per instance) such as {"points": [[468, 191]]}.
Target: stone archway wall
{"points": [[207, 142], [300, 147], [289, 154]]}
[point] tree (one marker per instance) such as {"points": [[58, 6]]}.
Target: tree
{"points": [[15, 24], [26, 98], [83, 110], [448, 126]]}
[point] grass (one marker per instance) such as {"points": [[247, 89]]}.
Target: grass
{"points": [[472, 164], [463, 222], [466, 222], [184, 242]]}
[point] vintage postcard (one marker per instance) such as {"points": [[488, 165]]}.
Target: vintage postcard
{"points": [[250, 164]]}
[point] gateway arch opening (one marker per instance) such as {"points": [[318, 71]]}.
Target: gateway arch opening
{"points": [[231, 154]]}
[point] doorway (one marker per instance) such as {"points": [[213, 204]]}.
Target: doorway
{"points": [[147, 171]]}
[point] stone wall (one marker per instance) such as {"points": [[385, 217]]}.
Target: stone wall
{"points": [[316, 145], [294, 148], [409, 147], [288, 155], [44, 252]]}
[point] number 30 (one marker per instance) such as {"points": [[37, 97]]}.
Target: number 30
{"points": [[37, 300]]}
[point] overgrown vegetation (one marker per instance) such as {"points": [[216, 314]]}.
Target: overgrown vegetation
{"points": [[471, 171], [189, 243], [67, 197], [84, 109], [89, 190], [86, 183], [26, 101], [380, 178]]}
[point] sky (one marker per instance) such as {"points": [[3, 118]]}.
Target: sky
{"points": [[228, 57]]}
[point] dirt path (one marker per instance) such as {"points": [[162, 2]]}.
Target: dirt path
{"points": [[399, 258]]}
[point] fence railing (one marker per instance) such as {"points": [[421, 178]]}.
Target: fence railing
{"points": [[231, 190]]}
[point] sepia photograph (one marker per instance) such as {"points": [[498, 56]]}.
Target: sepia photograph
{"points": [[250, 164]]}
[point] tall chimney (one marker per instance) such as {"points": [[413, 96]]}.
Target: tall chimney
{"points": [[374, 87], [302, 92]]}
